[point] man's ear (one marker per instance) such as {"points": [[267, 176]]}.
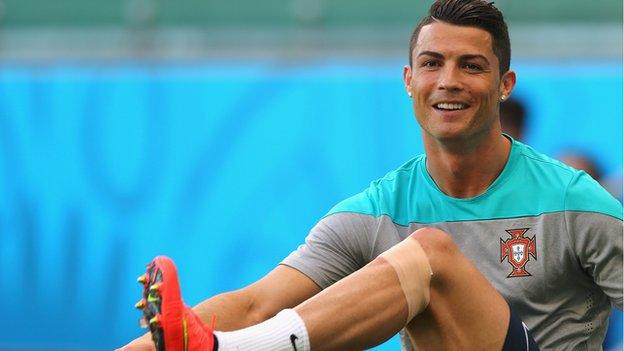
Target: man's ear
{"points": [[407, 79], [508, 82]]}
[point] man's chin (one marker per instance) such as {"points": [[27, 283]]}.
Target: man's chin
{"points": [[449, 136]]}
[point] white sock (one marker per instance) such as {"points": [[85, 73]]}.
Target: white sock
{"points": [[284, 332]]}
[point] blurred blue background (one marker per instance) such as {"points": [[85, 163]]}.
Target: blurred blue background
{"points": [[117, 145]]}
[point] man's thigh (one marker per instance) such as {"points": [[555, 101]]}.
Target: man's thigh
{"points": [[465, 312]]}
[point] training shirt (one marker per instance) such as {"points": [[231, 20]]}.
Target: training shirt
{"points": [[547, 237]]}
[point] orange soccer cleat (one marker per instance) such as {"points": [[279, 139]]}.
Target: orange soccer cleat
{"points": [[173, 325]]}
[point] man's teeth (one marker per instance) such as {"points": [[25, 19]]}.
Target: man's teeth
{"points": [[448, 106]]}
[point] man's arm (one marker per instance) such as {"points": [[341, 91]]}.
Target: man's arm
{"points": [[284, 287], [334, 249]]}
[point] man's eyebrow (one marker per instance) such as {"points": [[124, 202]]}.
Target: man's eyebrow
{"points": [[431, 53], [475, 56]]}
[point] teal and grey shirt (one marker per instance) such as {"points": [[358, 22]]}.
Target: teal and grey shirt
{"points": [[548, 237]]}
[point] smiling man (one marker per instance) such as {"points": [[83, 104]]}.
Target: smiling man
{"points": [[454, 248]]}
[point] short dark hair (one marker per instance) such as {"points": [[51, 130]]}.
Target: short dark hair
{"points": [[472, 13]]}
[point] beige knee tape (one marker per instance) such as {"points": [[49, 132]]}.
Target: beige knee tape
{"points": [[411, 264]]}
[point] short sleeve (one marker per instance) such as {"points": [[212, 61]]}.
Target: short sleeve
{"points": [[337, 246], [594, 222]]}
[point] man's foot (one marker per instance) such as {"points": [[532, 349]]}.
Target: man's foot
{"points": [[173, 325]]}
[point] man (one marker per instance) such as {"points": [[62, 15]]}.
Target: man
{"points": [[451, 247]]}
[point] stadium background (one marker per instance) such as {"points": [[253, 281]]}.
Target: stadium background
{"points": [[218, 133]]}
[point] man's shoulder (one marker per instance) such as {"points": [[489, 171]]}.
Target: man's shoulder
{"points": [[579, 190], [553, 169], [381, 194], [400, 176], [538, 172], [584, 194]]}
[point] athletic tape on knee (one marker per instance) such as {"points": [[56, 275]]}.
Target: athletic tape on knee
{"points": [[411, 264]]}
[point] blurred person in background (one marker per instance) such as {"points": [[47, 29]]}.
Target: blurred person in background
{"points": [[456, 246], [513, 118], [583, 162]]}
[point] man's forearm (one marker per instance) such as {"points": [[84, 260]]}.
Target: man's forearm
{"points": [[284, 287], [232, 310]]}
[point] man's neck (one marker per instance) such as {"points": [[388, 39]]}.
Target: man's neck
{"points": [[465, 170]]}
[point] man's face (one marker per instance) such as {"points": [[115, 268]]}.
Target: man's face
{"points": [[455, 82]]}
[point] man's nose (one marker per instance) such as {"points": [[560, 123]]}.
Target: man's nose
{"points": [[449, 79]]}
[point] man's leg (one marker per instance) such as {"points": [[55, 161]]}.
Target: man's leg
{"points": [[372, 304], [357, 312], [464, 313]]}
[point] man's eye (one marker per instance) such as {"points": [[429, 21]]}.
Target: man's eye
{"points": [[472, 67], [430, 64]]}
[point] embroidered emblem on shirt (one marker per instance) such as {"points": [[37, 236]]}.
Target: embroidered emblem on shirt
{"points": [[517, 250]]}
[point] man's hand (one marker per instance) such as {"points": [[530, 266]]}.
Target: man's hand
{"points": [[143, 343]]}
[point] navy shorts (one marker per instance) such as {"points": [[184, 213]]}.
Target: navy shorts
{"points": [[518, 336]]}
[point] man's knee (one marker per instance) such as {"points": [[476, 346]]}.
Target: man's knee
{"points": [[411, 265], [438, 246], [416, 259]]}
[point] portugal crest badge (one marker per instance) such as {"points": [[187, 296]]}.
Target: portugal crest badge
{"points": [[517, 250]]}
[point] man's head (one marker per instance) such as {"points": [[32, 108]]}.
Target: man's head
{"points": [[472, 13], [455, 77]]}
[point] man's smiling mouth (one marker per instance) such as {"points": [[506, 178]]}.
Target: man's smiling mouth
{"points": [[450, 106]]}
